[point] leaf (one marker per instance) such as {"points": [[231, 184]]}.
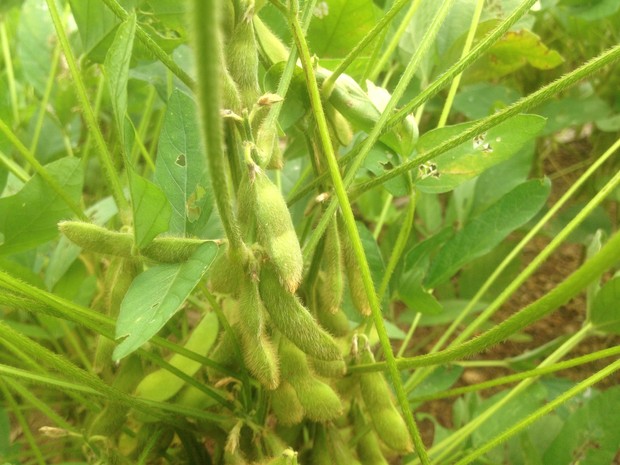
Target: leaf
{"points": [[488, 229], [339, 25], [172, 13], [35, 43], [605, 311], [29, 217], [155, 296], [116, 66], [151, 210], [513, 51], [373, 254], [419, 300], [472, 158], [590, 435], [483, 99], [572, 111], [95, 23], [589, 10], [181, 169]]}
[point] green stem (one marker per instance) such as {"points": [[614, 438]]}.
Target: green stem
{"points": [[538, 414], [23, 423], [49, 86], [462, 64], [379, 27], [14, 168], [377, 130], [41, 171], [10, 75], [457, 79], [151, 45], [379, 64], [536, 372], [349, 219], [607, 257], [105, 158], [481, 126], [207, 53]]}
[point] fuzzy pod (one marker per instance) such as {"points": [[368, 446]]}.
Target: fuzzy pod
{"points": [[171, 249], [275, 229], [328, 369], [242, 61], [336, 323], [329, 291], [340, 128], [368, 447], [293, 320], [285, 404], [259, 354], [96, 239], [119, 276], [340, 451], [320, 454], [354, 277], [223, 353], [226, 274], [387, 421], [266, 144], [318, 399], [161, 385]]}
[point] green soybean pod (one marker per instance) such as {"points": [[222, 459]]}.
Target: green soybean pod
{"points": [[259, 354], [320, 449], [328, 369], [368, 447], [318, 399], [275, 229], [285, 404], [242, 60], [354, 277], [336, 323], [161, 384], [331, 286], [96, 239], [387, 422], [293, 320], [341, 453], [225, 274]]}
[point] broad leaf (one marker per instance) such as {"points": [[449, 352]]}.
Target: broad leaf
{"points": [[592, 433], [155, 296], [474, 157], [36, 43], [29, 218], [116, 66], [339, 25], [605, 311], [488, 229], [483, 99], [95, 23], [181, 169], [151, 210]]}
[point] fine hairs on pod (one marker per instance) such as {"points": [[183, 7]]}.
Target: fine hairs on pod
{"points": [[354, 277], [285, 404], [387, 421], [318, 399], [293, 320], [275, 229], [329, 292], [259, 354]]}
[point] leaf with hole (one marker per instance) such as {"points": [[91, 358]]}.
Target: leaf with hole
{"points": [[155, 296]]}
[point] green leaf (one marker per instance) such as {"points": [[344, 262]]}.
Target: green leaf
{"points": [[419, 300], [373, 254], [488, 229], [181, 169], [36, 43], [95, 23], [339, 25], [171, 13], [605, 311], [151, 210], [589, 10], [472, 158], [116, 66], [591, 434], [483, 99], [156, 295], [513, 51], [29, 218], [5, 433], [572, 111]]}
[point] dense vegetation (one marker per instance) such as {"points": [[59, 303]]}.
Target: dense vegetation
{"points": [[240, 231]]}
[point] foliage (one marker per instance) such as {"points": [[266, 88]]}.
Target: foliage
{"points": [[244, 231]]}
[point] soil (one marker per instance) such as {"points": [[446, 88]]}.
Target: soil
{"points": [[566, 320]]}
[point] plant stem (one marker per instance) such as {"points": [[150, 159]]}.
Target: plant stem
{"points": [[457, 79], [105, 157], [525, 103], [151, 45], [208, 55], [41, 171], [354, 237], [10, 75], [572, 392], [536, 372], [607, 257]]}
